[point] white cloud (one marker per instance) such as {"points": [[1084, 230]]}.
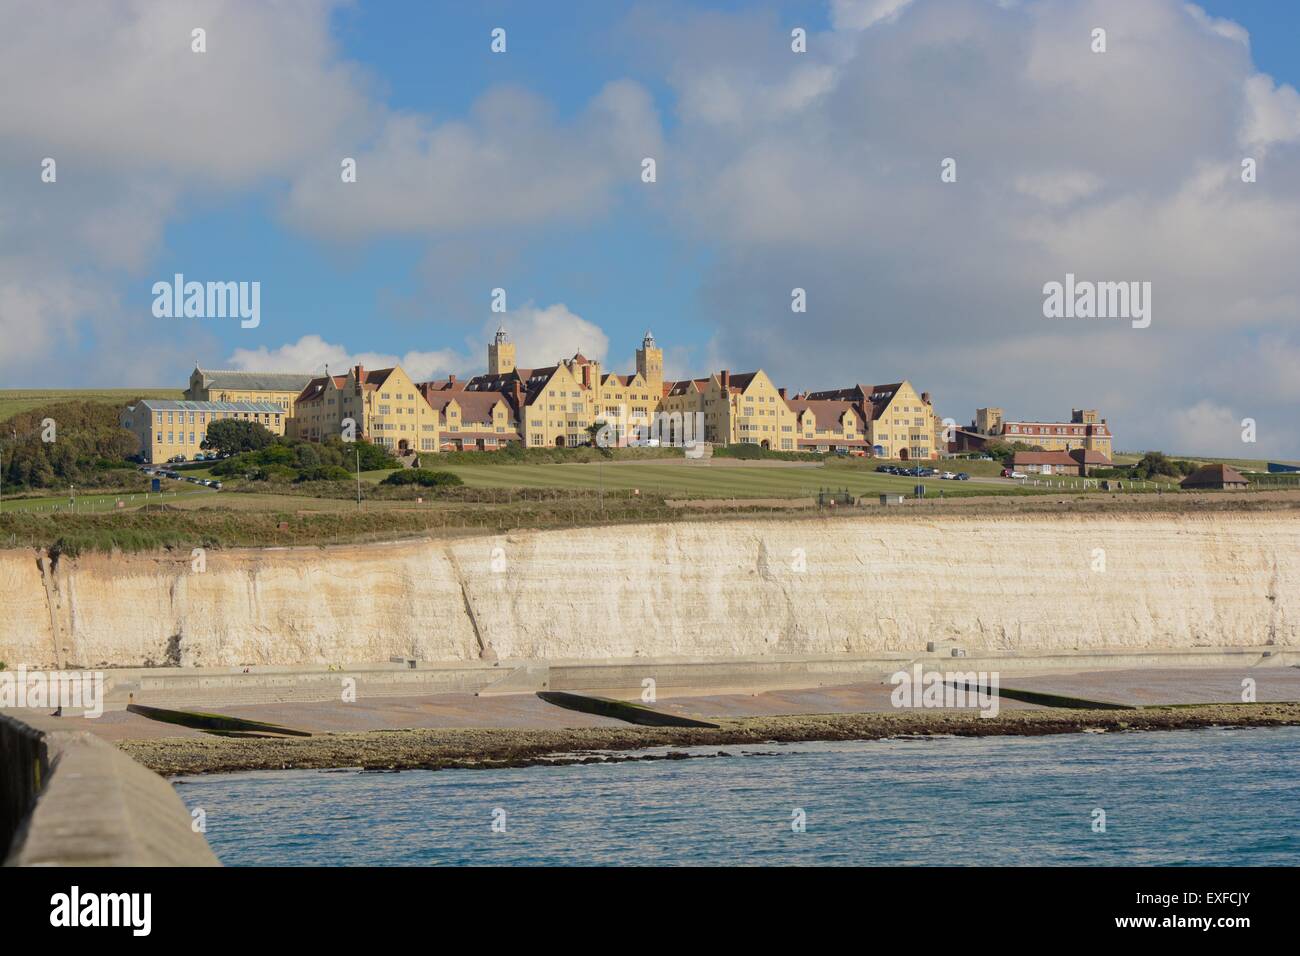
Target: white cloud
{"points": [[544, 335], [541, 336], [1207, 428], [116, 83], [1273, 114], [862, 14], [510, 165], [1068, 161], [312, 354]]}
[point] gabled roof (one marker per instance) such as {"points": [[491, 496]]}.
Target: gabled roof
{"points": [[877, 397], [742, 380], [375, 378], [827, 413], [685, 386], [1214, 476], [317, 385], [170, 405], [253, 381], [474, 406], [1090, 456]]}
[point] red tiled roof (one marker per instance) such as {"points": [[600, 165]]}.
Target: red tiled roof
{"points": [[1090, 456], [1213, 476], [827, 413], [317, 385]]}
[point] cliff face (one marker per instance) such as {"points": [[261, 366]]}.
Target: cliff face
{"points": [[716, 589]]}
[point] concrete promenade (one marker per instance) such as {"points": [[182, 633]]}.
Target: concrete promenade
{"points": [[502, 695]]}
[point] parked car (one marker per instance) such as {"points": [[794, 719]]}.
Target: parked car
{"points": [[216, 485], [962, 476], [948, 476], [1008, 473]]}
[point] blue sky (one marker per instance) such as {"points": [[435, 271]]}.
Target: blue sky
{"points": [[521, 171]]}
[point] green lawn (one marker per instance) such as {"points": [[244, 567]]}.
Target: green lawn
{"points": [[703, 480], [15, 400], [89, 503]]}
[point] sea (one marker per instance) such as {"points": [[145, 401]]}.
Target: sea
{"points": [[1217, 796]]}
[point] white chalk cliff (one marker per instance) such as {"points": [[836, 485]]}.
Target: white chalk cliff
{"points": [[709, 589]]}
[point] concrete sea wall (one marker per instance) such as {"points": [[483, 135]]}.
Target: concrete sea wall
{"points": [[68, 798], [706, 590]]}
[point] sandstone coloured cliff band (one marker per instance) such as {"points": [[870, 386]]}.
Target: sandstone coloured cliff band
{"points": [[701, 590]]}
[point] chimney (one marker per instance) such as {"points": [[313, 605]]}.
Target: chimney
{"points": [[360, 372], [519, 399], [451, 379], [781, 392], [586, 376], [726, 379], [925, 397]]}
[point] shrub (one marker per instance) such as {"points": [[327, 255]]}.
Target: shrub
{"points": [[423, 477], [325, 473]]}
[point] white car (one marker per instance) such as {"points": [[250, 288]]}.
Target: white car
{"points": [[949, 476], [1018, 474]]}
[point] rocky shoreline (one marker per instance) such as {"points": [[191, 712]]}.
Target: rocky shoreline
{"points": [[442, 749]]}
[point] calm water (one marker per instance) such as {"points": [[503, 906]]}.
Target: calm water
{"points": [[1204, 797]]}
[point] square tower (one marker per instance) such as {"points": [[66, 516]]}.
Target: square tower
{"points": [[501, 354], [650, 363]]}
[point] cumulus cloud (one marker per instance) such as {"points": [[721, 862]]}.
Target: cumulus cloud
{"points": [[1207, 428], [134, 122], [1122, 166], [861, 14], [117, 84], [509, 165], [542, 336], [311, 354], [139, 125]]}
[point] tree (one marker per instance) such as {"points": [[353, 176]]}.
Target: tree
{"points": [[81, 443], [1004, 450], [423, 478], [1155, 463], [306, 456], [231, 436]]}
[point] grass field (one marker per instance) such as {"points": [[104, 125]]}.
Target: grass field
{"points": [[1241, 464], [675, 479], [15, 400], [92, 503]]}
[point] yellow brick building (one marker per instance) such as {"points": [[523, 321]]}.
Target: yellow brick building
{"points": [[222, 385], [383, 406], [900, 422], [1085, 430], [167, 429], [561, 405]]}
